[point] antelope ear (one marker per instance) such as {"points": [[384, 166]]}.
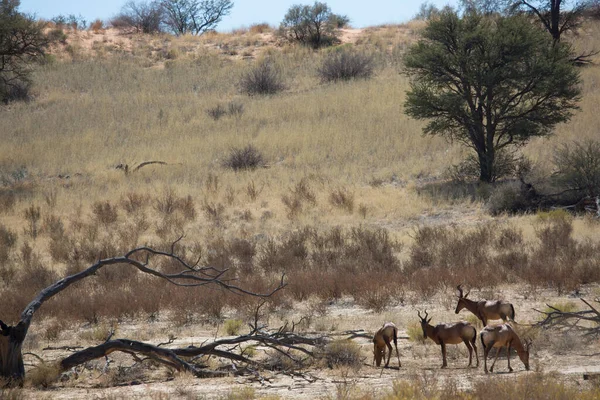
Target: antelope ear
{"points": [[429, 320], [465, 296]]}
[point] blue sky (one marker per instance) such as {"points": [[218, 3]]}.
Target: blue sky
{"points": [[245, 12]]}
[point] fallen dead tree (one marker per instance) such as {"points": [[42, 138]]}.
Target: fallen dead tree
{"points": [[146, 260], [179, 358], [586, 321]]}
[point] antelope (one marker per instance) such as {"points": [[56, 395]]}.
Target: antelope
{"points": [[500, 336], [383, 337], [453, 333], [483, 309]]}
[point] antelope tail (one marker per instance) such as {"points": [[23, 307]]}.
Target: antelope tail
{"points": [[396, 337], [512, 308], [474, 335], [482, 342]]}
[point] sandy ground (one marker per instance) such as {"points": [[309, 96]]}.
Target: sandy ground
{"points": [[568, 355]]}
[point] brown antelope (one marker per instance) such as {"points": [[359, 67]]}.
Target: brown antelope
{"points": [[483, 309], [500, 336], [383, 337], [454, 333]]}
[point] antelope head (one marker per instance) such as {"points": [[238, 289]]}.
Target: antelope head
{"points": [[524, 356], [424, 322], [461, 299], [378, 353]]}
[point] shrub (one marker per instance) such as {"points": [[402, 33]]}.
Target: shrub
{"points": [[342, 353], [578, 167], [415, 332], [247, 158], [216, 112], [342, 198], [8, 240], [262, 79], [233, 326], [105, 213], [508, 197], [260, 28], [345, 65], [32, 215], [18, 90], [97, 25]]}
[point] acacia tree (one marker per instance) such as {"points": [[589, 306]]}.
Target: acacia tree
{"points": [[146, 260], [557, 16], [194, 16], [22, 43], [489, 82], [144, 17], [311, 25]]}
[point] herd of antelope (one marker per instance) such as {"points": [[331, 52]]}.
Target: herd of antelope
{"points": [[454, 333]]}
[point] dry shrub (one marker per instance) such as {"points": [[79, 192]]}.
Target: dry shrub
{"points": [[105, 213], [264, 78], [8, 200], [277, 361], [216, 112], [212, 183], [32, 215], [535, 386], [8, 239], [260, 28], [343, 353], [214, 212], [509, 197], [344, 65], [252, 191], [293, 205], [342, 198], [43, 375], [578, 167], [374, 295], [53, 330], [169, 203], [96, 26], [247, 158], [301, 193], [233, 326], [133, 202]]}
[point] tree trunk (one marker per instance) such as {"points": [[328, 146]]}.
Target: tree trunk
{"points": [[486, 166], [11, 357]]}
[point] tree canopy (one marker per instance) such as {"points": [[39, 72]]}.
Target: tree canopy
{"points": [[22, 42], [489, 82], [194, 16]]}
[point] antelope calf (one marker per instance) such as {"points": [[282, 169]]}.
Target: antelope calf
{"points": [[383, 337], [499, 336], [483, 309], [455, 333]]}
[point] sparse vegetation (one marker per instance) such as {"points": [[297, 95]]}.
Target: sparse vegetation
{"points": [[344, 65], [343, 208]]}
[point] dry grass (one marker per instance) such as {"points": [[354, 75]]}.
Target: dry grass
{"points": [[337, 209]]}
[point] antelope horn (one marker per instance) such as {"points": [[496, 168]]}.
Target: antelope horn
{"points": [[426, 314], [419, 314], [460, 291]]}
